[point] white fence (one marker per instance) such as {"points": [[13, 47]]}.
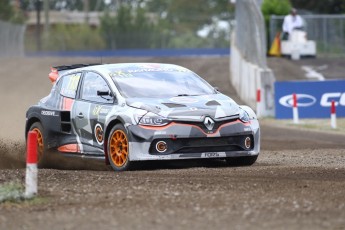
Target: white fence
{"points": [[11, 39], [248, 67]]}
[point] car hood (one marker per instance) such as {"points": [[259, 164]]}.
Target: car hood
{"points": [[216, 106]]}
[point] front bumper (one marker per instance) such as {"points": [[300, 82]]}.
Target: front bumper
{"points": [[189, 141]]}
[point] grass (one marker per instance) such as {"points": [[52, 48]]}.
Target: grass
{"points": [[311, 124], [13, 193]]}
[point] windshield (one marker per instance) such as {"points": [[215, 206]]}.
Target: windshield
{"points": [[161, 84]]}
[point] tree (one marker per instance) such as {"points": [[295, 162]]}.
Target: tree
{"points": [[9, 13], [274, 7], [129, 28], [183, 19], [321, 7], [5, 10], [183, 16]]}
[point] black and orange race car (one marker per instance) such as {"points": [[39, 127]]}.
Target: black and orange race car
{"points": [[141, 111]]}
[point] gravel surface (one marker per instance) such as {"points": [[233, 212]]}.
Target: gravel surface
{"points": [[298, 181], [286, 69], [284, 190]]}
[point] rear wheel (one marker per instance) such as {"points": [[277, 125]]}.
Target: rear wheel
{"points": [[241, 161], [118, 148], [41, 156]]}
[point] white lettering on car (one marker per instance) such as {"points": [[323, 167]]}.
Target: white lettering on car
{"points": [[48, 113]]}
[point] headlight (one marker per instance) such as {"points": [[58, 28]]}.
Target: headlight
{"points": [[152, 120], [244, 117]]}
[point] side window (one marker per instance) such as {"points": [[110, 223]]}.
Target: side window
{"points": [[92, 83], [69, 85]]}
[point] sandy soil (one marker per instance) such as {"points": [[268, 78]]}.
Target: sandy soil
{"points": [[297, 183]]}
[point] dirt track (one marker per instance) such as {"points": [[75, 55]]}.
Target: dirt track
{"points": [[297, 183]]}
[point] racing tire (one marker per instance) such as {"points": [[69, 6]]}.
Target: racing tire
{"points": [[42, 158], [118, 148], [241, 161]]}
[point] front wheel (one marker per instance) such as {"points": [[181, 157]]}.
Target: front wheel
{"points": [[241, 161], [118, 148]]}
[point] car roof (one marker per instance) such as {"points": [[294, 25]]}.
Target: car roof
{"points": [[110, 69], [140, 67]]}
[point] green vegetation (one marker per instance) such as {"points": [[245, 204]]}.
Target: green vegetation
{"points": [[321, 7], [72, 37], [181, 20], [274, 7], [9, 13], [67, 37], [128, 29], [132, 24], [12, 192]]}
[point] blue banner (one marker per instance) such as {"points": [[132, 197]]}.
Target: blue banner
{"points": [[314, 98]]}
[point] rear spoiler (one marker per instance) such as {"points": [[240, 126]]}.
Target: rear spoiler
{"points": [[58, 70]]}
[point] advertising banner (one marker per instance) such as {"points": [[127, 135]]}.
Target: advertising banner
{"points": [[314, 98]]}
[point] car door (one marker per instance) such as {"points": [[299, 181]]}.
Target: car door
{"points": [[93, 104]]}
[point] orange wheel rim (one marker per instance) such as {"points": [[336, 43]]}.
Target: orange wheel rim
{"points": [[119, 148], [39, 142]]}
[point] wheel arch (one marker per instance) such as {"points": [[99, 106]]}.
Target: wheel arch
{"points": [[30, 122], [106, 136]]}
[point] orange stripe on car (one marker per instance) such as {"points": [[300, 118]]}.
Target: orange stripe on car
{"points": [[69, 148], [67, 103], [197, 127]]}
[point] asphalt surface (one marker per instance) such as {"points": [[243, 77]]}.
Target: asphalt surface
{"points": [[298, 181]]}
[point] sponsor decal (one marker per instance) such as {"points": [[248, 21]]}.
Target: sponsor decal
{"points": [[160, 133], [99, 134], [49, 113], [157, 70], [209, 123], [121, 74], [303, 100], [213, 154], [183, 100], [98, 109]]}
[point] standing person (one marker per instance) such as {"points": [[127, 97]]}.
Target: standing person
{"points": [[291, 22]]}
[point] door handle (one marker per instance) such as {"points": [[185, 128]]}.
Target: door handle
{"points": [[80, 115]]}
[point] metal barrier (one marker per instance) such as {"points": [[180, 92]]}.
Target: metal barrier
{"points": [[249, 32], [327, 30], [11, 39], [249, 71]]}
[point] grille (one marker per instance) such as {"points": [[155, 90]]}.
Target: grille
{"points": [[197, 145]]}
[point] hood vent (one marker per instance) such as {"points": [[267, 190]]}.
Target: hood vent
{"points": [[212, 103], [173, 105]]}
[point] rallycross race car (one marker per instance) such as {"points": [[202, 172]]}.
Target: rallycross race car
{"points": [[123, 113]]}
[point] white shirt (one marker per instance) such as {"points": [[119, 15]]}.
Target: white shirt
{"points": [[291, 22]]}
